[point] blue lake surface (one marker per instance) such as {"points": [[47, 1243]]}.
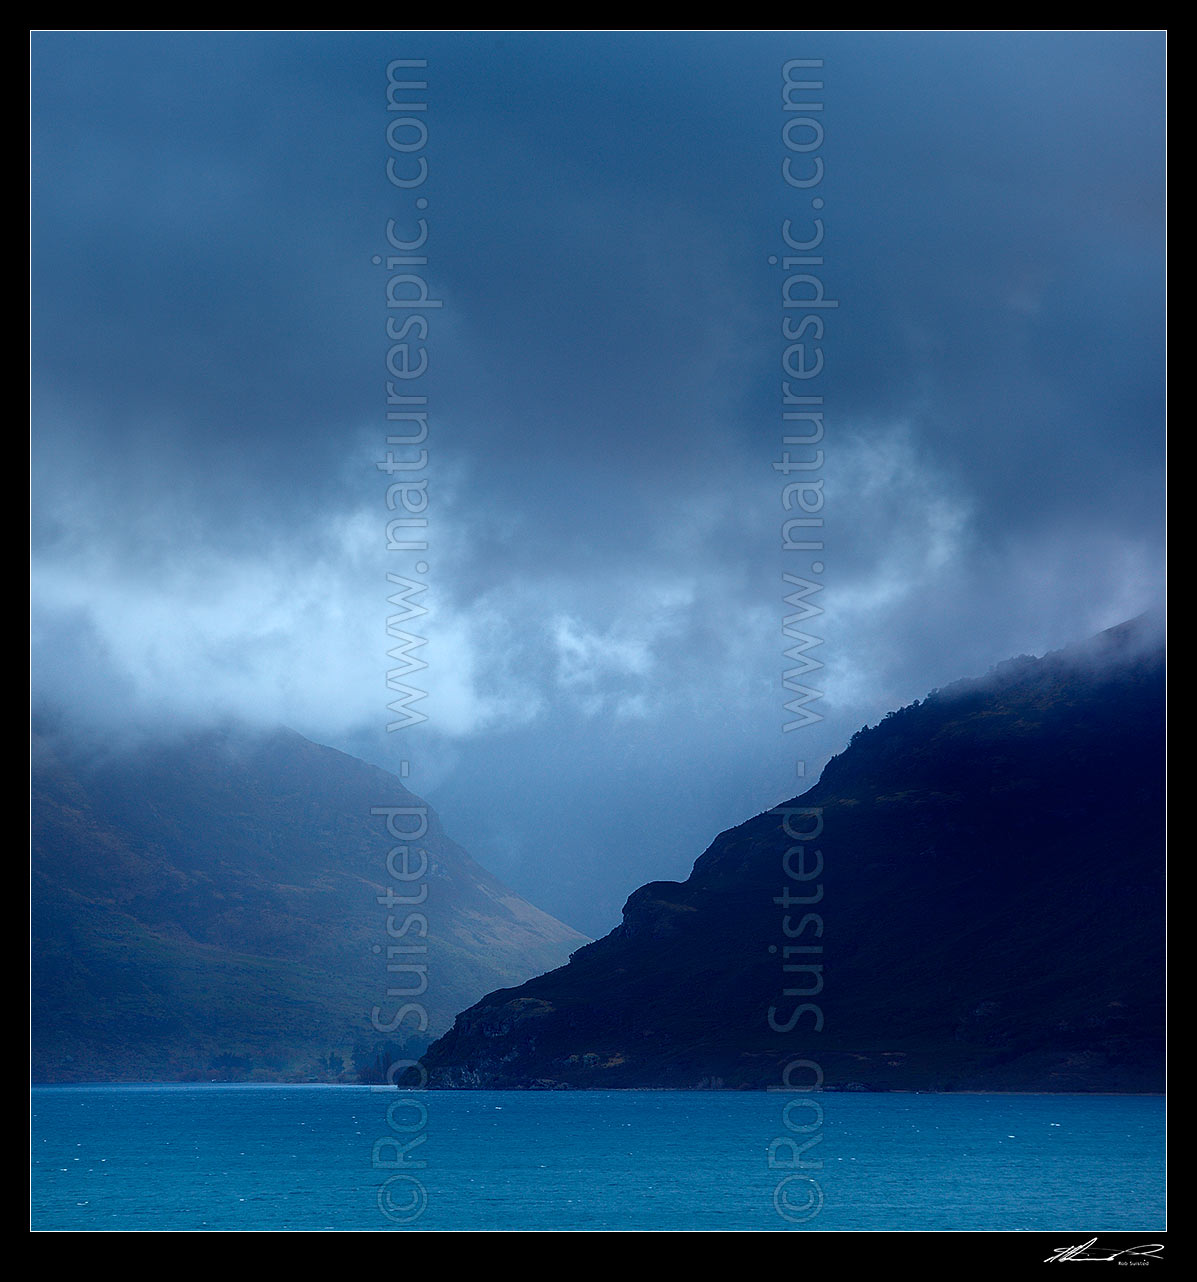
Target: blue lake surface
{"points": [[303, 1158]]}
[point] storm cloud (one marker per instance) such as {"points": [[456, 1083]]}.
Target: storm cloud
{"points": [[603, 635]]}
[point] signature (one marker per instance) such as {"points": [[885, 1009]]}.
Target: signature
{"points": [[1083, 1252]]}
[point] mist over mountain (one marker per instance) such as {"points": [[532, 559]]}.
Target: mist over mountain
{"points": [[971, 896], [603, 598], [216, 906]]}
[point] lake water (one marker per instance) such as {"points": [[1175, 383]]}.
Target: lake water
{"points": [[302, 1158]]}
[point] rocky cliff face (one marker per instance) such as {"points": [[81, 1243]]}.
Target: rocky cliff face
{"points": [[216, 906], [972, 897]]}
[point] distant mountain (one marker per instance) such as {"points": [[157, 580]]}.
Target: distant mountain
{"points": [[984, 887], [209, 907]]}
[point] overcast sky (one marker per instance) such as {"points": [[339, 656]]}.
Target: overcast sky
{"points": [[604, 585]]}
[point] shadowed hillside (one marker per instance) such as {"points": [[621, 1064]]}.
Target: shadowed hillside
{"points": [[986, 911], [209, 908]]}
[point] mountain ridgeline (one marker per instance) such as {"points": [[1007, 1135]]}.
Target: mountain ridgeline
{"points": [[215, 906], [972, 897]]}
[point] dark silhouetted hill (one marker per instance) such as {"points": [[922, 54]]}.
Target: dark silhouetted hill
{"points": [[990, 913]]}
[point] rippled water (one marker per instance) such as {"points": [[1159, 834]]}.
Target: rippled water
{"points": [[295, 1157]]}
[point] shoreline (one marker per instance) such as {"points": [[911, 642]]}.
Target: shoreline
{"points": [[573, 1090]]}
